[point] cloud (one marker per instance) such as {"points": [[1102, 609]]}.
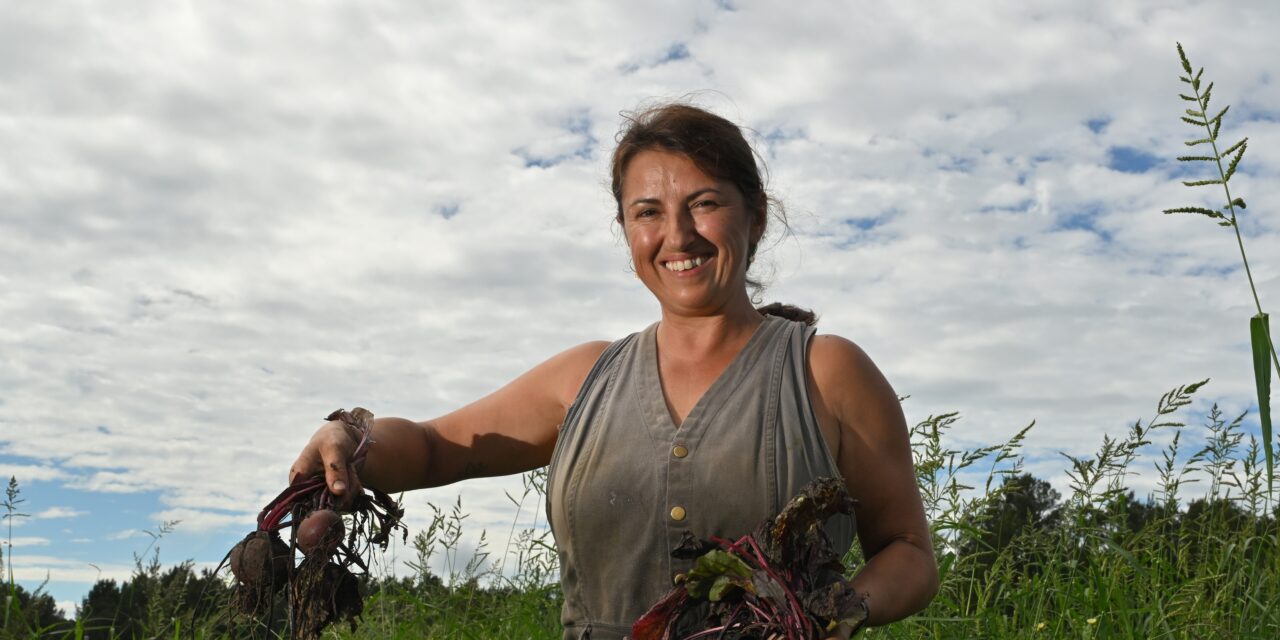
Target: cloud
{"points": [[35, 569], [26, 541], [31, 473], [58, 512], [402, 208]]}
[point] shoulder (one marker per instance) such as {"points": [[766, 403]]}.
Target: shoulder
{"points": [[833, 358], [849, 383], [571, 367], [586, 353]]}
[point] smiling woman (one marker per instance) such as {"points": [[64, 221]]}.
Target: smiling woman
{"points": [[712, 144], [706, 422]]}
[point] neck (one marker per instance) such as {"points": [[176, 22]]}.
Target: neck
{"points": [[700, 335]]}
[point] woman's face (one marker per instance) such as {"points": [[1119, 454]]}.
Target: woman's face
{"points": [[689, 233]]}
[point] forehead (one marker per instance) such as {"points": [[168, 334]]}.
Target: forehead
{"points": [[651, 172]]}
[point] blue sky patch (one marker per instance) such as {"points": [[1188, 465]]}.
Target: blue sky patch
{"points": [[1083, 220], [1096, 125], [1130, 160], [1223, 271], [677, 51], [863, 224]]}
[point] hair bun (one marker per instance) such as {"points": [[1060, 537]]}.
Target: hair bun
{"points": [[790, 312]]}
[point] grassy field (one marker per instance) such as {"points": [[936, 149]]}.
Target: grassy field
{"points": [[1018, 559]]}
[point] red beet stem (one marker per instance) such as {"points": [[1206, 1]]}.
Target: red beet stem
{"points": [[275, 510], [796, 609]]}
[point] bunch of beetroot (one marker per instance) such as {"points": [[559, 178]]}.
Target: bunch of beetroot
{"points": [[783, 580], [330, 537]]}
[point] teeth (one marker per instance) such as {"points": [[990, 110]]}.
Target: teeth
{"points": [[685, 265]]}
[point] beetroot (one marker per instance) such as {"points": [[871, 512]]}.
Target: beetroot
{"points": [[320, 531], [261, 558], [322, 588]]}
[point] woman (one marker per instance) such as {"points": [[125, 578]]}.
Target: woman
{"points": [[707, 421]]}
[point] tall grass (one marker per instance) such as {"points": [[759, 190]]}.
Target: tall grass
{"points": [[1018, 559], [1099, 563]]}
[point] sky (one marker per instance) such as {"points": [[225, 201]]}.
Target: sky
{"points": [[221, 221]]}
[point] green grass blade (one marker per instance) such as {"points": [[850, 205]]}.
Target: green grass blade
{"points": [[1258, 334], [1230, 150], [1235, 161], [1186, 64], [1200, 210]]}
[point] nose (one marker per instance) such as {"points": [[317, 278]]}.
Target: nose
{"points": [[682, 231]]}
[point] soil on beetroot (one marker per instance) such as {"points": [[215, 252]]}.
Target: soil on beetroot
{"points": [[784, 580], [330, 538]]}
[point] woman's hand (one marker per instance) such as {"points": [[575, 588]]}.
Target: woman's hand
{"points": [[330, 451]]}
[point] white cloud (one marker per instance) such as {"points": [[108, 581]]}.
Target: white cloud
{"points": [[203, 253], [36, 569], [31, 473], [58, 512], [25, 541]]}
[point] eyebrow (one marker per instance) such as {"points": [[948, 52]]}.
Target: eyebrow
{"points": [[692, 196]]}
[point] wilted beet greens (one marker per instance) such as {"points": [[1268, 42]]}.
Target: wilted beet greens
{"points": [[330, 536], [783, 580]]}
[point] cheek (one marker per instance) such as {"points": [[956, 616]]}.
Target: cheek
{"points": [[638, 240]]}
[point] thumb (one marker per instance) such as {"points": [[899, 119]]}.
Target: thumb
{"points": [[338, 475]]}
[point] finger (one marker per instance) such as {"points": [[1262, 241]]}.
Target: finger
{"points": [[308, 464], [337, 473], [354, 488]]}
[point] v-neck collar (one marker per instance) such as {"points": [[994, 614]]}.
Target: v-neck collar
{"points": [[654, 399]]}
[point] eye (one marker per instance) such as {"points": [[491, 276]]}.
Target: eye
{"points": [[646, 213], [706, 204]]}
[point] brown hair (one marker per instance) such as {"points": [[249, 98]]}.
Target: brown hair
{"points": [[718, 148]]}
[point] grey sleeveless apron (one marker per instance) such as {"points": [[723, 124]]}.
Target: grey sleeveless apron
{"points": [[625, 482]]}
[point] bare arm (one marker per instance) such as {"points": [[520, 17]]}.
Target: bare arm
{"points": [[859, 407], [508, 431]]}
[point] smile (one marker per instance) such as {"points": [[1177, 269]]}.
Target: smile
{"points": [[684, 265]]}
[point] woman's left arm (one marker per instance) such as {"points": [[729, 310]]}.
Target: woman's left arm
{"points": [[858, 407]]}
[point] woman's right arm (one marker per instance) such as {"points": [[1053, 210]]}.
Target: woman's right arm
{"points": [[511, 430]]}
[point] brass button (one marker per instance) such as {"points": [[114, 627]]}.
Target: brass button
{"points": [[677, 513], [679, 578], [679, 451]]}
